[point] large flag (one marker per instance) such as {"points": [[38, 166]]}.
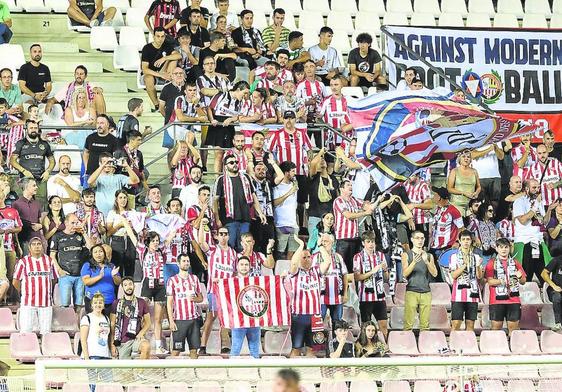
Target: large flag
{"points": [[259, 301], [400, 132]]}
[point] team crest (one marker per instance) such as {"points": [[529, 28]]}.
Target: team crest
{"points": [[41, 147], [472, 83], [492, 87], [394, 147], [253, 301]]}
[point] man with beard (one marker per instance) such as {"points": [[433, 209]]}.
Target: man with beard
{"points": [[282, 74], [11, 225], [508, 197], [270, 80], [189, 193], [65, 186], [92, 219], [523, 156], [35, 78], [290, 102], [256, 153], [130, 321], [195, 214], [548, 172], [313, 92], [250, 47], [97, 143], [554, 149], [238, 151], [178, 241], [130, 122], [529, 217]]}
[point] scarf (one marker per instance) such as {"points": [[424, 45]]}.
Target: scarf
{"points": [[92, 224], [70, 90], [375, 281], [229, 193], [468, 279], [506, 271], [136, 219], [253, 38], [388, 242], [133, 320]]}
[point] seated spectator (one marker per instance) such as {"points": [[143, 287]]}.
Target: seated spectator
{"points": [[339, 346], [231, 18], [102, 141], [195, 25], [250, 47], [90, 13], [189, 55], [417, 84], [164, 13], [409, 74], [313, 92], [5, 24], [224, 57], [188, 109], [211, 83], [289, 101], [552, 275], [269, 80], [463, 183], [79, 113], [223, 28], [298, 72], [34, 78], [272, 70], [10, 92], [184, 157], [297, 53], [257, 109], [130, 122], [368, 344], [54, 221], [195, 5], [171, 90], [276, 35], [326, 57], [158, 59], [94, 338], [365, 63]]}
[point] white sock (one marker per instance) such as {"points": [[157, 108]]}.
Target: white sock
{"points": [[158, 343]]}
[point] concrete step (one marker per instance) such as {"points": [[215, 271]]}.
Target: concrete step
{"points": [[103, 61], [50, 47], [41, 24], [100, 78]]}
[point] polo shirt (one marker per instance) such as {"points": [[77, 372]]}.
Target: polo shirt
{"points": [[12, 95], [32, 155]]}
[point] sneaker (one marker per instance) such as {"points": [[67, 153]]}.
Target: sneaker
{"points": [[94, 23], [165, 324], [107, 23], [202, 350], [161, 351], [155, 109], [557, 327], [225, 350]]}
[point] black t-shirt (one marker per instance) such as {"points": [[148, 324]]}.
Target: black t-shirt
{"points": [[96, 144], [32, 155], [126, 124], [240, 206], [238, 38], [348, 349], [88, 7], [150, 54], [199, 37], [555, 268], [169, 94], [315, 207], [70, 250], [364, 64], [184, 15], [556, 151], [35, 77]]}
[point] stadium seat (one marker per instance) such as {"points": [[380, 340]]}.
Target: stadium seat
{"points": [[311, 20], [354, 92], [320, 6], [135, 17], [141, 388], [362, 386], [289, 5], [212, 374], [463, 342], [530, 318], [340, 20], [103, 38], [427, 386], [260, 20], [494, 343], [547, 316], [524, 342], [396, 386], [57, 345], [451, 20], [109, 388], [60, 7], [440, 294], [540, 7], [399, 6], [402, 343], [551, 342], [376, 6], [12, 6], [127, 58], [214, 343], [340, 42], [481, 7], [534, 21], [506, 20], [121, 5], [367, 21], [64, 320], [118, 21], [478, 20], [530, 294], [11, 56], [454, 6], [427, 7], [333, 386], [523, 372], [142, 4], [235, 6], [430, 342], [7, 324], [236, 386], [395, 18], [75, 387], [277, 343], [399, 294], [510, 7], [259, 6], [34, 6], [132, 36], [422, 19], [24, 347], [548, 386], [544, 292], [344, 5], [492, 385], [438, 318]]}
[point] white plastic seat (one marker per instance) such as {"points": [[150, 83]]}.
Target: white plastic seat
{"points": [[121, 5], [506, 20], [427, 386], [340, 42], [24, 347], [310, 37], [430, 342], [427, 6], [127, 58], [537, 7], [289, 5], [551, 342], [402, 343], [132, 36], [340, 20], [11, 56], [289, 21], [344, 5], [333, 386], [310, 20], [524, 342], [481, 7], [376, 6], [316, 5], [34, 6], [454, 6], [354, 92], [368, 21], [103, 38], [144, 4], [57, 344], [557, 7], [361, 386], [396, 386], [12, 6], [135, 17], [399, 6], [236, 6], [520, 385], [464, 341], [258, 6], [282, 266], [451, 20], [494, 343], [422, 19], [478, 20], [260, 20], [537, 21], [395, 18], [556, 21], [510, 7], [57, 6]]}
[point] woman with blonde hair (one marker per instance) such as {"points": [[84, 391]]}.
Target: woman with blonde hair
{"points": [[79, 112], [463, 182]]}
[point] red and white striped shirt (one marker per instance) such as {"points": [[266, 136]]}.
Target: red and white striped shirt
{"points": [[179, 244], [181, 290], [331, 286], [188, 108], [346, 228], [180, 173], [192, 214], [307, 89], [334, 112], [418, 193], [291, 147], [447, 223], [241, 157], [549, 175], [36, 277], [222, 263], [507, 229], [306, 291], [283, 74], [9, 219], [152, 263], [461, 294], [359, 262], [257, 259], [266, 110], [516, 154]]}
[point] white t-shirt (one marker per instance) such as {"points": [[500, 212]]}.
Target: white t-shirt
{"points": [[330, 55], [487, 166], [189, 195], [402, 86], [285, 215], [527, 233], [54, 189], [231, 20], [114, 218], [97, 335]]}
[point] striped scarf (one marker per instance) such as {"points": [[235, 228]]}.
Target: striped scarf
{"points": [[229, 192], [70, 90]]}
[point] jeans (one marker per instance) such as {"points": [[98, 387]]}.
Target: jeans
{"points": [[71, 288], [556, 299], [336, 312], [252, 334], [412, 302], [235, 229], [5, 33]]}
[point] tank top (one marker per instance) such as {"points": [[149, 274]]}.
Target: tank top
{"points": [[77, 118], [464, 184], [418, 281]]}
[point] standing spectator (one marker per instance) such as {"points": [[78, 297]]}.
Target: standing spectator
{"points": [[256, 260], [94, 339], [326, 57], [447, 222], [53, 222], [224, 57], [11, 224], [231, 17], [195, 5], [486, 232], [130, 321], [189, 55], [5, 23], [183, 294], [276, 35], [554, 228], [195, 214], [256, 153], [99, 275], [548, 172], [130, 122], [365, 63], [313, 92], [418, 266], [409, 75], [419, 194], [505, 276], [34, 78], [165, 13], [297, 52], [170, 92], [554, 149], [347, 213], [370, 271], [466, 271], [92, 219], [334, 113], [250, 47], [29, 211], [97, 143], [529, 217], [196, 23], [79, 113], [463, 183], [523, 156], [90, 13], [189, 193], [323, 190], [154, 197], [188, 108], [485, 160], [133, 156], [552, 275], [10, 92], [33, 279], [183, 159], [288, 101], [158, 59], [285, 210]]}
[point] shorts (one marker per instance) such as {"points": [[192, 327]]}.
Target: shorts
{"points": [[286, 241], [509, 312], [31, 317], [127, 349], [157, 293], [363, 82], [187, 329], [301, 330], [464, 311], [212, 307], [373, 308], [71, 290]]}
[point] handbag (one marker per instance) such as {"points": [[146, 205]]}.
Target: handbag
{"points": [[324, 194]]}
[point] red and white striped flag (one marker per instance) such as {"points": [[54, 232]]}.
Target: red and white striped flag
{"points": [[258, 301]]}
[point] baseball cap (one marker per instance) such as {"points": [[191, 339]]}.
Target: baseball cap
{"points": [[289, 114], [441, 191]]}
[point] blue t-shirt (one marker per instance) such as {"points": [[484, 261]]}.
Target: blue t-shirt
{"points": [[106, 186], [105, 286]]}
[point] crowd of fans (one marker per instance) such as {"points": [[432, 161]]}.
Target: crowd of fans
{"points": [[500, 210]]}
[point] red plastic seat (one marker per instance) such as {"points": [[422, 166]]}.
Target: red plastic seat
{"points": [[109, 388], [396, 386], [545, 298], [494, 342], [399, 294], [141, 388], [211, 374], [173, 387], [64, 320], [440, 294], [277, 343], [7, 324], [333, 386], [465, 342], [530, 318], [24, 347], [361, 386], [430, 342], [549, 386], [58, 345], [524, 342], [438, 318], [551, 342], [427, 386], [75, 387], [547, 316], [492, 385], [530, 294], [402, 343]]}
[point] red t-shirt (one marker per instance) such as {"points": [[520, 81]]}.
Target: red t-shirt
{"points": [[489, 273]]}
